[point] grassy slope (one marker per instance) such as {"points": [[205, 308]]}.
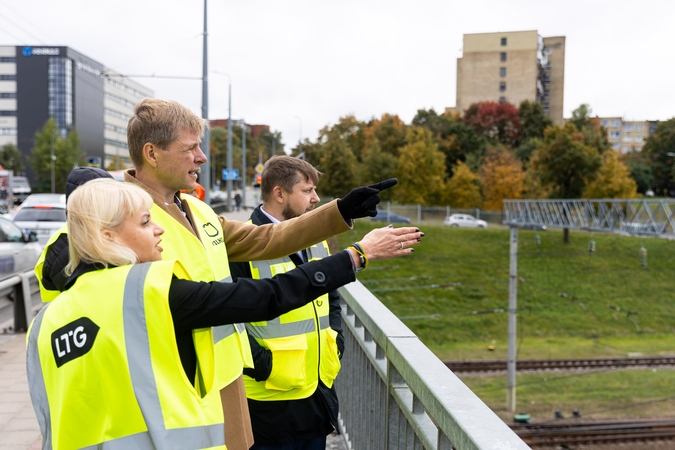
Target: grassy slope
{"points": [[549, 325]]}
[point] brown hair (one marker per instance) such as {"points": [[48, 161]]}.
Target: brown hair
{"points": [[101, 204], [159, 122], [285, 171]]}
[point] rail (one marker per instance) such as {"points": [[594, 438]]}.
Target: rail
{"points": [[396, 394], [560, 364], [23, 308]]}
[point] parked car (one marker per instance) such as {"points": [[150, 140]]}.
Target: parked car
{"points": [[18, 251], [464, 220], [40, 199], [44, 219], [383, 216], [20, 189]]}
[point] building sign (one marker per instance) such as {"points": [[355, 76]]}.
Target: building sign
{"points": [[40, 51], [87, 68]]}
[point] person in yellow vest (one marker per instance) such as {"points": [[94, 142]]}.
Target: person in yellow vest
{"points": [[106, 364], [164, 146], [291, 397]]}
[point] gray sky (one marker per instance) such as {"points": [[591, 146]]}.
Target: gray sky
{"points": [[300, 64]]}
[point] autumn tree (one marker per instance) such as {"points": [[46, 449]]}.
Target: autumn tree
{"points": [[390, 131], [338, 165], [456, 140], [421, 169], [640, 169], [590, 127], [660, 150], [10, 158], [350, 130], [502, 177], [67, 153], [612, 181], [533, 120], [496, 121], [565, 163], [463, 189], [376, 166]]}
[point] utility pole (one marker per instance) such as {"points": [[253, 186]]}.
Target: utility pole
{"points": [[513, 306], [243, 163], [229, 146], [206, 140]]}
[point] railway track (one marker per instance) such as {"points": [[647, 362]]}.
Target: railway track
{"points": [[554, 434], [561, 364]]}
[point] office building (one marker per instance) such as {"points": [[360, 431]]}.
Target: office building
{"points": [[38, 83], [512, 67], [628, 135]]}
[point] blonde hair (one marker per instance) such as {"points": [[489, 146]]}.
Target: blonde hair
{"points": [[159, 122], [99, 205]]}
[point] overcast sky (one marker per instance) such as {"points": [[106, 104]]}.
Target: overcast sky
{"points": [[299, 65]]}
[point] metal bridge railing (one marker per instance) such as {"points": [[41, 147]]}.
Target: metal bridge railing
{"points": [[396, 394], [630, 216]]}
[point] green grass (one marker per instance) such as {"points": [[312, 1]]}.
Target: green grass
{"points": [[597, 395], [571, 304]]}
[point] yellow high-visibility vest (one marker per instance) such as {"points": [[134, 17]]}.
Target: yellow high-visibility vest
{"points": [[206, 260], [302, 343], [104, 370], [47, 295]]}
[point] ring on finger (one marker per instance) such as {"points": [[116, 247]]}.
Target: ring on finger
{"points": [[402, 246]]}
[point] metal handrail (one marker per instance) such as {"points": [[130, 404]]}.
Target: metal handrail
{"points": [[23, 307], [396, 394]]}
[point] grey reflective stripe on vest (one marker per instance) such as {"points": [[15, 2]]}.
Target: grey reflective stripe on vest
{"points": [[36, 382], [274, 329], [318, 251], [144, 382], [265, 267], [224, 331]]}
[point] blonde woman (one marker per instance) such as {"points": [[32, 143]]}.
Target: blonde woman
{"points": [[124, 357]]}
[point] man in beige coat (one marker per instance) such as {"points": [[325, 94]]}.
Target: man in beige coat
{"points": [[164, 146]]}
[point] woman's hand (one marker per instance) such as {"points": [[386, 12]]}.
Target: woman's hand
{"points": [[388, 242]]}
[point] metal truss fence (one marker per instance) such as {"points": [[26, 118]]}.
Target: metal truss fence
{"points": [[639, 217], [396, 394]]}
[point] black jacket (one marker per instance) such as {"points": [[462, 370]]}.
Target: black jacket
{"points": [[196, 305], [287, 421]]}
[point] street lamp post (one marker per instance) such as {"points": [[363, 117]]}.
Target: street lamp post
{"points": [[244, 129], [52, 158], [206, 140]]}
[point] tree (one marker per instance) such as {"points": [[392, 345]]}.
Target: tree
{"points": [[594, 134], [456, 140], [657, 148], [613, 180], [565, 163], [640, 170], [502, 177], [338, 165], [463, 189], [376, 166], [10, 158], [533, 120], [496, 121], [67, 154], [390, 131], [421, 169], [350, 130]]}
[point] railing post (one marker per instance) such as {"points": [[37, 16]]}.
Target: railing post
{"points": [[22, 303]]}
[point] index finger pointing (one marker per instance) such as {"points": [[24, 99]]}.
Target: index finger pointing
{"points": [[386, 184]]}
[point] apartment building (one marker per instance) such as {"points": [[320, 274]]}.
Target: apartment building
{"points": [[513, 67], [627, 135], [38, 83]]}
